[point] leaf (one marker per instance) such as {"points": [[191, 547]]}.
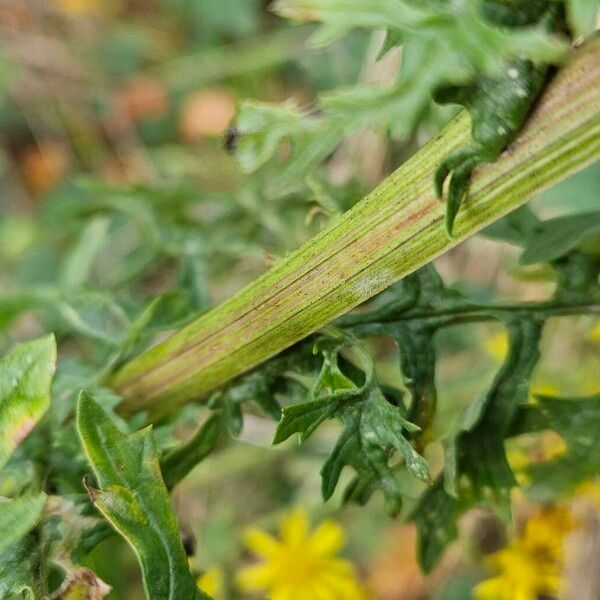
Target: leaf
{"points": [[369, 105], [516, 227], [306, 417], [19, 565], [435, 517], [582, 15], [373, 427], [263, 128], [444, 43], [421, 291], [18, 517], [347, 451], [265, 401], [370, 462], [263, 386], [460, 24], [233, 415], [577, 277], [179, 461], [330, 389], [476, 451], [340, 16], [556, 237], [382, 424], [18, 551], [372, 430], [77, 265], [25, 378], [577, 421], [417, 360], [133, 498]]}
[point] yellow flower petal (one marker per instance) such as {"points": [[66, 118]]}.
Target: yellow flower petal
{"points": [[531, 565], [302, 566], [321, 592], [262, 543], [211, 582], [256, 578], [294, 527], [339, 568], [347, 588], [492, 589], [282, 594], [327, 539]]}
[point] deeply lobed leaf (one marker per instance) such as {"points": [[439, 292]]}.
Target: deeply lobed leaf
{"points": [[373, 428]]}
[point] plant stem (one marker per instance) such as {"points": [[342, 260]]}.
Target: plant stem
{"points": [[390, 233], [477, 314]]}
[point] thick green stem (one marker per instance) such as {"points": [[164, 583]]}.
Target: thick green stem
{"points": [[391, 232]]}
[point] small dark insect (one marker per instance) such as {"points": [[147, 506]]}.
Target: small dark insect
{"points": [[232, 135], [189, 542]]}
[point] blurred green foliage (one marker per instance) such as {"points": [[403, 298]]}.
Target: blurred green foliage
{"points": [[122, 217]]}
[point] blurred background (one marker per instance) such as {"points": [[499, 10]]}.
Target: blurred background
{"points": [[116, 188]]}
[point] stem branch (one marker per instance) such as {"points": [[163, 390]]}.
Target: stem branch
{"points": [[390, 233]]}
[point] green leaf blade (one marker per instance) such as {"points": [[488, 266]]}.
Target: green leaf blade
{"points": [[577, 421], [18, 517], [346, 452], [556, 237], [435, 517], [25, 378], [382, 424], [134, 499], [19, 552], [304, 419], [582, 15]]}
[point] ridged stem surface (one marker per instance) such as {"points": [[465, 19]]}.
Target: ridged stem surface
{"points": [[394, 230]]}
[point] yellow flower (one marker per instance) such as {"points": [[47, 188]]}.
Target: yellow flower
{"points": [[211, 582], [300, 565], [544, 535], [531, 565]]}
